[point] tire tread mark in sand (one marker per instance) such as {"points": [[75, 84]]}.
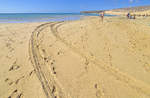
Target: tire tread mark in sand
{"points": [[119, 75], [48, 83], [35, 63]]}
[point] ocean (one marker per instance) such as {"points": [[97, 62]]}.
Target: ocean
{"points": [[40, 17]]}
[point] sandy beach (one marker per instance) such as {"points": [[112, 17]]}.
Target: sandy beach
{"points": [[76, 59], [122, 12]]}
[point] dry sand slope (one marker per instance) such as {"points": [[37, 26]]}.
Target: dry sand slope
{"points": [[88, 59], [81, 59]]}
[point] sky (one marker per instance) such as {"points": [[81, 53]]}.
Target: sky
{"points": [[57, 6]]}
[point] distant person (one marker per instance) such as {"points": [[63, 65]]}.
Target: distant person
{"points": [[102, 16], [134, 16], [128, 15]]}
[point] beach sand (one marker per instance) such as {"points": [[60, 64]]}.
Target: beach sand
{"points": [[77, 59], [17, 76]]}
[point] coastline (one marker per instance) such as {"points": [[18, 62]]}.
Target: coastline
{"points": [[43, 17], [40, 17]]}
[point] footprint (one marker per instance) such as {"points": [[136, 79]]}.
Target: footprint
{"points": [[54, 70], [9, 55], [43, 50], [53, 89], [86, 62], [31, 72], [52, 62], [52, 66], [9, 46], [45, 58], [15, 94], [19, 96], [99, 91], [7, 80], [54, 92], [10, 82], [14, 66], [59, 52], [17, 81], [37, 46], [95, 86]]}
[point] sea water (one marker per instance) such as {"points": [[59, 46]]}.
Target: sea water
{"points": [[40, 17]]}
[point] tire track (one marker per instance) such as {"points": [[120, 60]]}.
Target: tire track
{"points": [[135, 84], [50, 83], [51, 86]]}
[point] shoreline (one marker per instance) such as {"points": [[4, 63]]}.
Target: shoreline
{"points": [[52, 18], [40, 17]]}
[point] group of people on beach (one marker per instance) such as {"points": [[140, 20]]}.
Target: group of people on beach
{"points": [[129, 16]]}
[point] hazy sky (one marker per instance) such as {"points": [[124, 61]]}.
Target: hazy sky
{"points": [[51, 6]]}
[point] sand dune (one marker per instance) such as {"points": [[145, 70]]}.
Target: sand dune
{"points": [[77, 59]]}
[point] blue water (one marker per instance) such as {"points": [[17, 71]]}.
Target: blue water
{"points": [[40, 17]]}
